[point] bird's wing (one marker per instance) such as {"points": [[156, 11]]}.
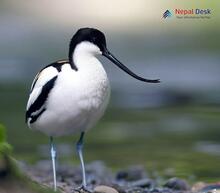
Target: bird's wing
{"points": [[40, 89], [44, 76]]}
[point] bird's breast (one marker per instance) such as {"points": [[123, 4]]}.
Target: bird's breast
{"points": [[81, 91]]}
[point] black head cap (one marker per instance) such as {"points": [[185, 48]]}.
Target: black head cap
{"points": [[87, 34]]}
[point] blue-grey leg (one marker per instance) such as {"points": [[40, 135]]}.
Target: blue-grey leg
{"points": [[53, 157], [79, 147]]}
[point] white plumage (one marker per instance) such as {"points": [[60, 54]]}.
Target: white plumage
{"points": [[78, 98]]}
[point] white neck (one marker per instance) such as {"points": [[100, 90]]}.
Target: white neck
{"points": [[84, 55]]}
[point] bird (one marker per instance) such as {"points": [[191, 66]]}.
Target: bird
{"points": [[69, 96]]}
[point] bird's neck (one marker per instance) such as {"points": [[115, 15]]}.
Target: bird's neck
{"points": [[83, 55], [85, 60]]}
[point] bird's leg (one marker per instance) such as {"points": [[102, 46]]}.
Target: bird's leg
{"points": [[79, 148], [53, 157]]}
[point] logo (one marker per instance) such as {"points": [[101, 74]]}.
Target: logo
{"points": [[190, 13], [167, 14]]}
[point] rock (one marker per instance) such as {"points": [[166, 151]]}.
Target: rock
{"points": [[155, 190], [101, 180], [81, 190], [136, 190], [177, 184], [104, 189], [198, 186], [210, 188], [133, 173], [143, 183], [118, 187]]}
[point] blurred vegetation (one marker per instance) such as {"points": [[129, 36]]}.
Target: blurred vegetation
{"points": [[5, 148], [163, 139], [12, 178]]}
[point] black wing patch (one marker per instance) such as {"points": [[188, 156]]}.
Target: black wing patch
{"points": [[58, 65], [38, 104], [35, 117]]}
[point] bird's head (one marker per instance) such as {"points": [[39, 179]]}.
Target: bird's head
{"points": [[90, 40], [93, 41]]}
